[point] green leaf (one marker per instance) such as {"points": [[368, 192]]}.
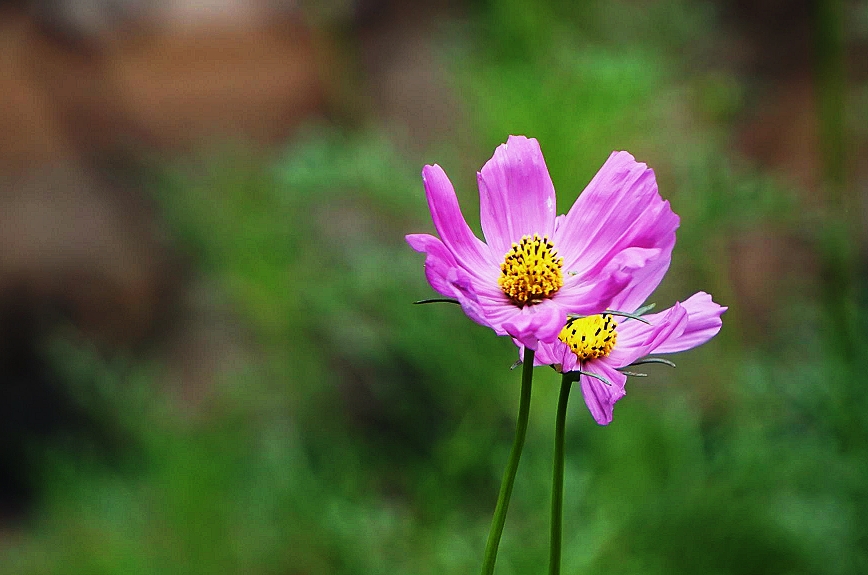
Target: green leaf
{"points": [[574, 376], [645, 360], [645, 309]]}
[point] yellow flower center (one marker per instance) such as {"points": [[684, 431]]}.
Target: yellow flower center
{"points": [[590, 337], [530, 271]]}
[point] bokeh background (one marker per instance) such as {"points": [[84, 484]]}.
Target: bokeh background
{"points": [[209, 360]]}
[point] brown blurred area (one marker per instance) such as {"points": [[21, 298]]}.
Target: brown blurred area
{"points": [[79, 92], [149, 83], [87, 89], [90, 88]]}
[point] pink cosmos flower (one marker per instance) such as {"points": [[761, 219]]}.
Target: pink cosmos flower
{"points": [[602, 344], [534, 268]]}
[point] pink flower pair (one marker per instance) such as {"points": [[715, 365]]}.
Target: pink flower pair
{"points": [[537, 271]]}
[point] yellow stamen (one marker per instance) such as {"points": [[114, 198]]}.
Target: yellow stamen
{"points": [[590, 337], [531, 271]]}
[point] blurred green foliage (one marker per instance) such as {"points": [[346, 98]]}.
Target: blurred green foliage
{"points": [[362, 434]]}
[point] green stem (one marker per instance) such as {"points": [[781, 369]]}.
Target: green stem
{"points": [[558, 479], [499, 518]]}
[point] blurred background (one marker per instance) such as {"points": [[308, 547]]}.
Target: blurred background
{"points": [[209, 360]]}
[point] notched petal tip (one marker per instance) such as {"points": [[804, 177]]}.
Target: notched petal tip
{"points": [[432, 169], [621, 161], [623, 156], [420, 242], [520, 140]]}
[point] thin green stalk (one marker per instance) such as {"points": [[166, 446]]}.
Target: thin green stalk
{"points": [[558, 479], [499, 518]]}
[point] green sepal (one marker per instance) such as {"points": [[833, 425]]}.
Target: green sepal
{"points": [[611, 312], [629, 315], [645, 309], [574, 376], [645, 360], [436, 300], [633, 373]]}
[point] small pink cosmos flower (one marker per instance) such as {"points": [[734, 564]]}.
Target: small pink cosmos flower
{"points": [[602, 344], [535, 267]]}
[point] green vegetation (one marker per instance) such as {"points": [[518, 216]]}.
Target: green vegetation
{"points": [[358, 434]]}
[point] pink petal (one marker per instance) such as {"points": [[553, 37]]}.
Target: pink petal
{"points": [[644, 280], [535, 323], [703, 323], [555, 353], [469, 251], [446, 276], [438, 263], [516, 194], [495, 306], [588, 295], [582, 297], [619, 209], [599, 397], [636, 339]]}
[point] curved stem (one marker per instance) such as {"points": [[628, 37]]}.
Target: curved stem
{"points": [[558, 479], [499, 518]]}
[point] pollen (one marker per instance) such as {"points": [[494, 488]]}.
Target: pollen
{"points": [[531, 271], [590, 337]]}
